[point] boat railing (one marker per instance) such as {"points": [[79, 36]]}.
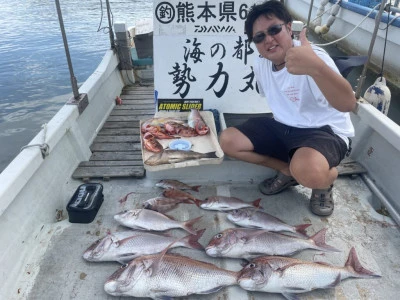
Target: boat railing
{"points": [[68, 135], [363, 7]]}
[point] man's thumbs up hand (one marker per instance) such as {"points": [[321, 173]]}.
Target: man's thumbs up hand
{"points": [[301, 60]]}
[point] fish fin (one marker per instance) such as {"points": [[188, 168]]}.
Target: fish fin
{"points": [[255, 210], [255, 254], [169, 217], [253, 235], [126, 258], [196, 188], [323, 263], [319, 241], [252, 211], [123, 241], [138, 214], [335, 282], [155, 266], [244, 262], [281, 270], [256, 203], [192, 240], [188, 201], [159, 291], [139, 228], [301, 229], [290, 296], [213, 290], [354, 266], [168, 234], [123, 199], [188, 225]]}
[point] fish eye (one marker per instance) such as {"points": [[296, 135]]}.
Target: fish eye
{"points": [[124, 266], [219, 235], [252, 265]]}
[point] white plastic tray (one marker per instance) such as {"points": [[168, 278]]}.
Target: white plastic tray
{"points": [[203, 144]]}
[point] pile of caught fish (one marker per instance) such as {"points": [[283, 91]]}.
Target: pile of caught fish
{"points": [[156, 129], [258, 237]]}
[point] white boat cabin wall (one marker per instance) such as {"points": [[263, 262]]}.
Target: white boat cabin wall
{"points": [[201, 51]]}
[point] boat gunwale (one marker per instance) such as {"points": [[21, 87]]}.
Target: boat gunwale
{"points": [[27, 163], [364, 10]]}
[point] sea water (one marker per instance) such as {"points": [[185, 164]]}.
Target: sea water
{"points": [[34, 77]]}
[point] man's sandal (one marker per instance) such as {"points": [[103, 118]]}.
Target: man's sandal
{"points": [[276, 184], [321, 201]]}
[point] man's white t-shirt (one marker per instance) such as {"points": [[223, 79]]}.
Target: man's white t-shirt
{"points": [[296, 100]]}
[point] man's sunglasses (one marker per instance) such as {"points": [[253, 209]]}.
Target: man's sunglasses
{"points": [[273, 30]]}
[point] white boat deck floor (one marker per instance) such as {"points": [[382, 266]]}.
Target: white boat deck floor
{"points": [[62, 273]]}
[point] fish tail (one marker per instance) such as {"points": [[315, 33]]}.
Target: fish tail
{"points": [[192, 240], [188, 225], [354, 266], [211, 155], [319, 240], [256, 203], [197, 202], [196, 188], [301, 229]]}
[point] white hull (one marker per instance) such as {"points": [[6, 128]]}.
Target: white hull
{"points": [[33, 188]]}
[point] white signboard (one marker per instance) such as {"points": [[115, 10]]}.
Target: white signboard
{"points": [[201, 51]]}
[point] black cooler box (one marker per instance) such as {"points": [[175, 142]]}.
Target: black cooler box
{"points": [[85, 203]]}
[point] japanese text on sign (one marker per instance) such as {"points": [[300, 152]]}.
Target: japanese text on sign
{"points": [[203, 52]]}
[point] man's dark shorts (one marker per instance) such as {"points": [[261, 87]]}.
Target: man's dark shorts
{"points": [[275, 139]]}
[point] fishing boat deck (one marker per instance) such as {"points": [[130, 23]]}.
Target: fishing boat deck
{"points": [[62, 273], [116, 151], [47, 260], [58, 271]]}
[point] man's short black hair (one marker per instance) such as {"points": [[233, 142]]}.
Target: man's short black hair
{"points": [[269, 8]]}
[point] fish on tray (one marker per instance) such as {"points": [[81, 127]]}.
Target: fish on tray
{"points": [[196, 121], [160, 133], [254, 218], [164, 204], [180, 129], [158, 123], [274, 274], [176, 156], [151, 144], [176, 184], [145, 219], [124, 246], [171, 276], [248, 243], [224, 203]]}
